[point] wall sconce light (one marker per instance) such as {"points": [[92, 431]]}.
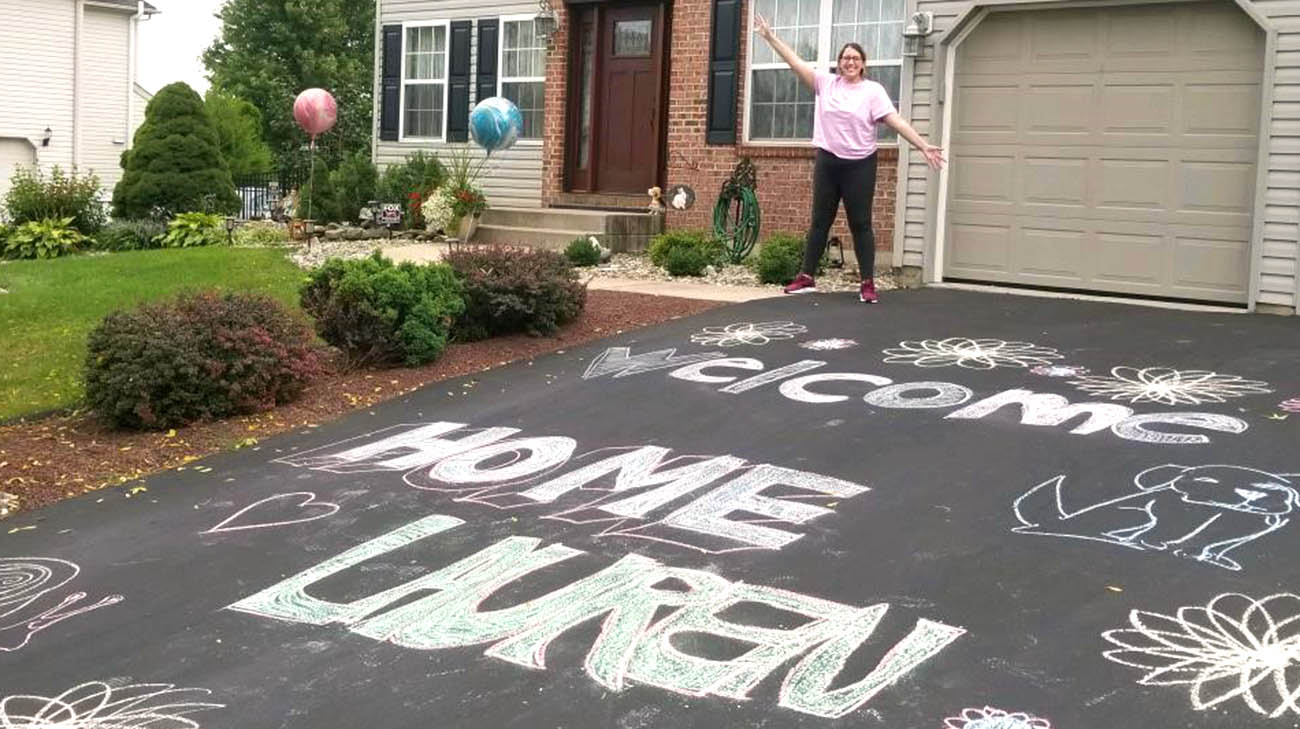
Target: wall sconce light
{"points": [[914, 35], [231, 222], [45, 140], [545, 22]]}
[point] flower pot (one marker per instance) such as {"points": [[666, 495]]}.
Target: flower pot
{"points": [[466, 226]]}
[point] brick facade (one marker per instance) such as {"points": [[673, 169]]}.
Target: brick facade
{"points": [[784, 173]]}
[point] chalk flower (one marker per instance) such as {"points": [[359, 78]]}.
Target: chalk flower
{"points": [[1290, 406], [745, 332], [1235, 647], [978, 354], [825, 345], [990, 718], [1169, 386], [96, 705]]}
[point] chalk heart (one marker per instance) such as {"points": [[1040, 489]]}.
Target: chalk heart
{"points": [[280, 510]]}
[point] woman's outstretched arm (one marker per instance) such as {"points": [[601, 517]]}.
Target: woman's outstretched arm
{"points": [[933, 155], [802, 69]]}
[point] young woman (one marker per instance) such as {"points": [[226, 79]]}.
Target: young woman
{"points": [[849, 106]]}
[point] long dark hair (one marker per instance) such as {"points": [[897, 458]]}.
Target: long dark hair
{"points": [[862, 73]]}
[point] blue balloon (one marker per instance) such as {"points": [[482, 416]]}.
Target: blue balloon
{"points": [[495, 123]]}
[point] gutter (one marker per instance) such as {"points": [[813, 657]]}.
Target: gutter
{"points": [[133, 34], [78, 23]]}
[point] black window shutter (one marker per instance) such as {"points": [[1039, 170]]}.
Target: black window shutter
{"points": [[390, 84], [724, 72], [486, 75], [458, 82]]}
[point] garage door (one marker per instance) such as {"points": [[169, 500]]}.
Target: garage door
{"points": [[13, 152], [1107, 149]]}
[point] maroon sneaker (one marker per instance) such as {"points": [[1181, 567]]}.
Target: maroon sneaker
{"points": [[802, 284], [867, 292]]}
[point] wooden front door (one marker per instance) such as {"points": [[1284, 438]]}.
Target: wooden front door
{"points": [[618, 58]]}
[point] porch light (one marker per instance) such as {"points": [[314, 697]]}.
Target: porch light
{"points": [[921, 25], [45, 140], [545, 22]]}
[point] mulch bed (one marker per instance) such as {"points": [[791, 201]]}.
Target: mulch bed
{"points": [[66, 455]]}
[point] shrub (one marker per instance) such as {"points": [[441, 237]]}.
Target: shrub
{"points": [[418, 174], [205, 355], [779, 259], [43, 239], [582, 252], [175, 161], [437, 212], [510, 290], [709, 248], [261, 234], [354, 182], [686, 261], [381, 314], [131, 235], [32, 196], [189, 230]]}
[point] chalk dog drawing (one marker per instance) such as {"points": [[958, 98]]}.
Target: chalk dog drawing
{"points": [[756, 334], [1290, 406], [311, 509], [1168, 385], [823, 345], [1059, 370], [1197, 512], [24, 581], [1234, 647], [991, 718], [96, 705], [975, 354]]}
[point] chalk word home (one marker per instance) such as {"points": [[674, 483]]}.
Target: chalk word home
{"points": [[642, 500], [632, 646], [1036, 409]]}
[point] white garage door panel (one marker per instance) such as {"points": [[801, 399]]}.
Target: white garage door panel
{"points": [[1108, 149], [13, 152]]}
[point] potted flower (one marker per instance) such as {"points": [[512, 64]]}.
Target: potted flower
{"points": [[467, 205]]}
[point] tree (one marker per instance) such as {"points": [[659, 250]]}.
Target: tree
{"points": [[175, 161], [239, 129], [268, 52]]}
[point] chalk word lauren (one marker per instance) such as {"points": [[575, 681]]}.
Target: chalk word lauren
{"points": [[487, 466], [1036, 409], [632, 645]]}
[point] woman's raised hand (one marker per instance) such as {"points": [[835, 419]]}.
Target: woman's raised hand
{"points": [[933, 156], [762, 28]]}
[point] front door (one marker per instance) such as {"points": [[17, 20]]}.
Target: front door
{"points": [[623, 83]]}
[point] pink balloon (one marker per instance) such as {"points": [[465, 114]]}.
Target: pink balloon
{"points": [[315, 111]]}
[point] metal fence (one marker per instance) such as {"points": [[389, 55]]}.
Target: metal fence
{"points": [[262, 196]]}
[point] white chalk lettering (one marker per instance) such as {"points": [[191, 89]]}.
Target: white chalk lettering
{"points": [[617, 361], [695, 372], [775, 375], [797, 389], [411, 447], [945, 395], [1048, 410], [1135, 429], [541, 454]]}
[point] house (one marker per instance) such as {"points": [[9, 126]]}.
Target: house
{"points": [[68, 95]]}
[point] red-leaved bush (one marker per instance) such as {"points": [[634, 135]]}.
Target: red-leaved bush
{"points": [[511, 290], [201, 355]]}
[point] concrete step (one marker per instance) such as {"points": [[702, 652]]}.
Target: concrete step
{"points": [[556, 218], [550, 238], [619, 230]]}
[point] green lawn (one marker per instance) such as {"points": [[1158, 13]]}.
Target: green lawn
{"points": [[52, 305]]}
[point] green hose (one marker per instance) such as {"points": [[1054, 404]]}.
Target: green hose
{"points": [[736, 220]]}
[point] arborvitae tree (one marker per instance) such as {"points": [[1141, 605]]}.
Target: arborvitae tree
{"points": [[175, 161]]}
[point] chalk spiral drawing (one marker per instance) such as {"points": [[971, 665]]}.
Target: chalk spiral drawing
{"points": [[1236, 647], [976, 354], [823, 345], [1290, 406], [311, 508], [1058, 370], [96, 705], [991, 718], [440, 610], [1169, 386], [23, 581], [751, 333], [1197, 512]]}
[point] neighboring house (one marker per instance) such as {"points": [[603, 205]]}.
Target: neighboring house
{"points": [[68, 95]]}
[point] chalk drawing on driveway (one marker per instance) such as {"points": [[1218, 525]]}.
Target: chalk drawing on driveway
{"points": [[308, 508], [991, 718], [751, 333], [1169, 386], [24, 581], [97, 705], [975, 354]]}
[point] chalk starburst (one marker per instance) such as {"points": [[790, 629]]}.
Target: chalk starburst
{"points": [[1236, 647], [991, 718], [1290, 406], [96, 705], [1059, 370], [823, 345], [978, 354], [752, 333], [1169, 386]]}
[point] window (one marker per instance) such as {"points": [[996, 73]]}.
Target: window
{"points": [[523, 71], [780, 107], [424, 80]]}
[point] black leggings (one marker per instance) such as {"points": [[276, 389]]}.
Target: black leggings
{"points": [[854, 181]]}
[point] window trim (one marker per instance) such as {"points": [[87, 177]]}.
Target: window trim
{"points": [[501, 71], [824, 29], [401, 103]]}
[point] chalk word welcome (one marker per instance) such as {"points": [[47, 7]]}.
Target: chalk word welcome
{"points": [[632, 645], [1037, 409], [487, 466]]}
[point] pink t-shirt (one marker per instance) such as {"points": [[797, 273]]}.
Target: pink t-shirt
{"points": [[844, 122]]}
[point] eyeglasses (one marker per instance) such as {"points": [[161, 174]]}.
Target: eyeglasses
{"points": [[851, 58]]}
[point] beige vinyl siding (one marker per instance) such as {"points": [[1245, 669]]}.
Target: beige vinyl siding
{"points": [[1278, 277], [512, 178], [36, 76], [104, 68]]}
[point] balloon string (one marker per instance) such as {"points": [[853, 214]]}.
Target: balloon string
{"points": [[311, 175]]}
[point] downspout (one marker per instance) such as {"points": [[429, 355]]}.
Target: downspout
{"points": [[132, 40], [77, 23], [376, 87]]}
